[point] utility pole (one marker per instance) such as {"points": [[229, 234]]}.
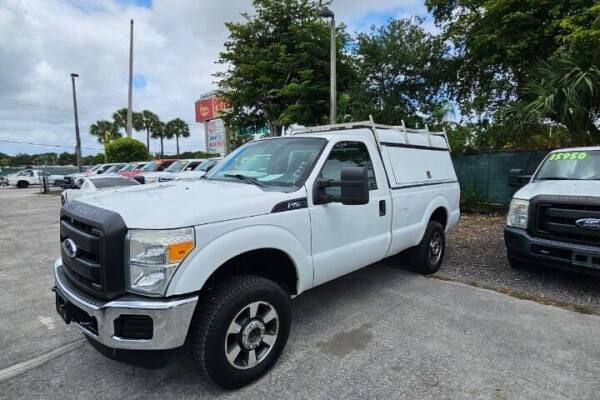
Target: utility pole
{"points": [[77, 139], [129, 112], [327, 13]]}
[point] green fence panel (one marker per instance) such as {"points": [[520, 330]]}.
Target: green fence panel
{"points": [[487, 173]]}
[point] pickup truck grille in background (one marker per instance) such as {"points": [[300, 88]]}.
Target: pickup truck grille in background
{"points": [[555, 220], [98, 266]]}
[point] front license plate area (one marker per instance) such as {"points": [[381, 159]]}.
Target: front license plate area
{"points": [[62, 308]]}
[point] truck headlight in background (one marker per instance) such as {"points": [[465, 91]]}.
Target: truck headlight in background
{"points": [[154, 256], [518, 214]]}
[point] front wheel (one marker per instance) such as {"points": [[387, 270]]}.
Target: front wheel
{"points": [[22, 184], [240, 329], [428, 255]]}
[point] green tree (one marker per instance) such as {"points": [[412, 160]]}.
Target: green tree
{"points": [[177, 128], [19, 160], [562, 93], [495, 41], [401, 73], [105, 131], [157, 130], [120, 120], [66, 158], [94, 159], [278, 66], [126, 150], [147, 120]]}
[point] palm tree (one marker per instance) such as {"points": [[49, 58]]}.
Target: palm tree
{"points": [[158, 132], [120, 120], [564, 92], [177, 128], [105, 131], [148, 118]]}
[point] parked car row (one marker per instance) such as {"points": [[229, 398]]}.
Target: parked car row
{"points": [[111, 176]]}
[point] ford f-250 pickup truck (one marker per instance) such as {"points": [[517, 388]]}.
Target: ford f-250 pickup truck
{"points": [[213, 263], [554, 221]]}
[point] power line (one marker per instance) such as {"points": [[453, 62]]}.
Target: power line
{"points": [[52, 107], [47, 145]]}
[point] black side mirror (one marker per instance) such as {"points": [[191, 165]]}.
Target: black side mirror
{"points": [[517, 178], [354, 188]]}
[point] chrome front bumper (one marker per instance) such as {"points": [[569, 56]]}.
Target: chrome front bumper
{"points": [[171, 318]]}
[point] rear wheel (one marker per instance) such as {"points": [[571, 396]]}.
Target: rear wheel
{"points": [[22, 184], [240, 329], [428, 255]]}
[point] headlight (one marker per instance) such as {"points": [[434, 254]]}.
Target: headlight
{"points": [[154, 256], [151, 179], [518, 213]]}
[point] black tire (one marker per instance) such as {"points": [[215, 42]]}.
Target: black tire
{"points": [[421, 256], [22, 184], [214, 314]]}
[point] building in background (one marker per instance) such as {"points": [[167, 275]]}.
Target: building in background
{"points": [[209, 108]]}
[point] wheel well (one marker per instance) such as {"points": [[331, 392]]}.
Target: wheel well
{"points": [[272, 264], [440, 215]]}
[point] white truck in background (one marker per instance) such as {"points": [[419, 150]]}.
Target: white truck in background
{"points": [[554, 220], [215, 261], [25, 178]]}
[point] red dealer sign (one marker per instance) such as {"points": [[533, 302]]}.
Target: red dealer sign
{"points": [[210, 108]]}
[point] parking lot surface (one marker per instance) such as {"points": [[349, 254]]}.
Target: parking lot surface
{"points": [[381, 332]]}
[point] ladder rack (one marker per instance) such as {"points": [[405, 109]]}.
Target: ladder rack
{"points": [[374, 127]]}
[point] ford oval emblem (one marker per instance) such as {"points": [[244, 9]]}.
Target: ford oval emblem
{"points": [[70, 248], [591, 224]]}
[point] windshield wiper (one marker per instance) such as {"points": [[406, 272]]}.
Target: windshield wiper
{"points": [[245, 178]]}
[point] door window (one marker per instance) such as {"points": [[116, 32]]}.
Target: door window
{"points": [[347, 154]]}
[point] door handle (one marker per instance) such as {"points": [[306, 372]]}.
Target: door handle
{"points": [[382, 208]]}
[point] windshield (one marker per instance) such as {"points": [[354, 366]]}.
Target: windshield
{"points": [[150, 166], [570, 165], [177, 166], [114, 168], [206, 165], [284, 162], [127, 167]]}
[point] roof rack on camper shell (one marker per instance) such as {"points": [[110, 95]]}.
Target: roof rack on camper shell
{"points": [[429, 136]]}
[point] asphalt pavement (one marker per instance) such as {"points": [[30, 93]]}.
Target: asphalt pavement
{"points": [[380, 332]]}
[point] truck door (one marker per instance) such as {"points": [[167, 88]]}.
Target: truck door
{"points": [[348, 237]]}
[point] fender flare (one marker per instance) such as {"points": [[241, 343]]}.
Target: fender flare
{"points": [[438, 202], [208, 257]]}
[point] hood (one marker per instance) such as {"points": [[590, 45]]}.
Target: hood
{"points": [[559, 188], [190, 175], [180, 204]]}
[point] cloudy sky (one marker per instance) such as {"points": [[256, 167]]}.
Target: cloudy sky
{"points": [[176, 45]]}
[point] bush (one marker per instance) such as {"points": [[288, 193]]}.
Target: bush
{"points": [[472, 201], [126, 150]]}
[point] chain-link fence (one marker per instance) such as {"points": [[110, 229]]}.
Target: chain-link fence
{"points": [[486, 174]]}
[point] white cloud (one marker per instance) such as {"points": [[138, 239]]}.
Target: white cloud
{"points": [[176, 45]]}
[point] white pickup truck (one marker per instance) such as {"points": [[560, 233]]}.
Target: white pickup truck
{"points": [[214, 262], [25, 178], [554, 221]]}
